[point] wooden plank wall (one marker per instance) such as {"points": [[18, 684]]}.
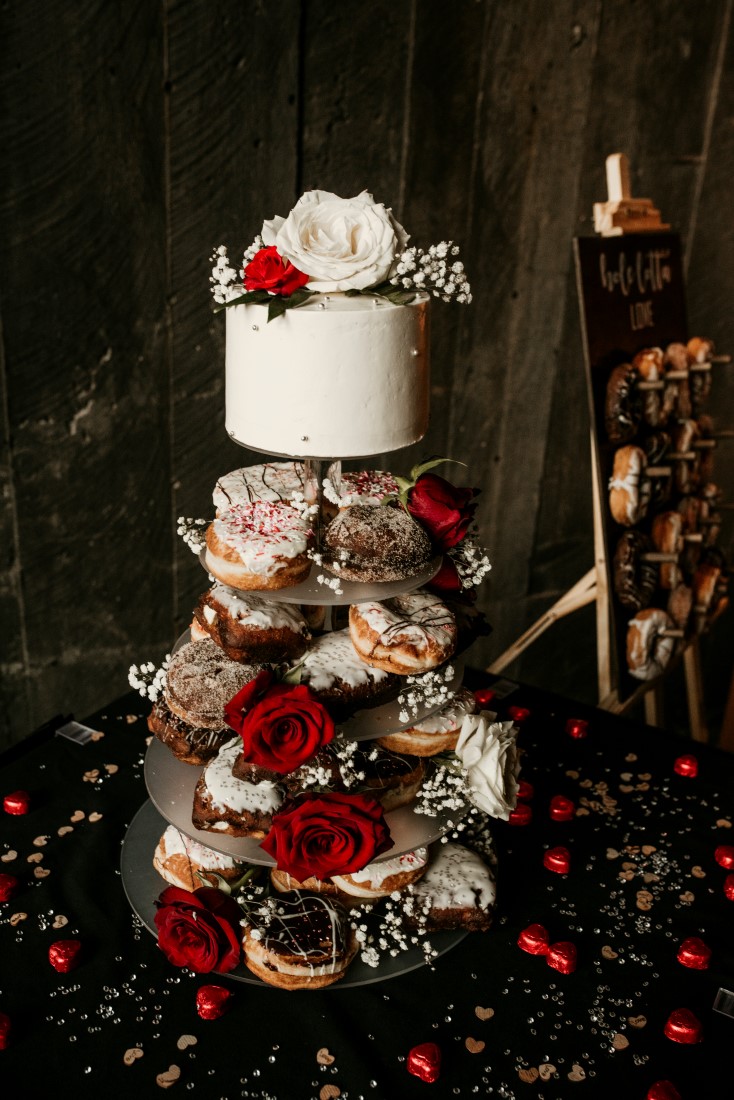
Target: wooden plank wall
{"points": [[136, 137]]}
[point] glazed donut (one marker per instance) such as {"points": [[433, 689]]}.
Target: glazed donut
{"points": [[375, 545], [676, 358], [680, 605], [667, 536], [258, 546], [629, 488], [686, 470], [249, 628], [391, 778], [623, 404], [649, 367], [648, 648], [306, 941], [705, 583], [201, 680], [190, 744], [381, 878], [369, 487], [407, 634], [225, 804], [271, 481], [457, 891], [699, 352], [634, 578], [188, 864], [437, 733], [338, 677]]}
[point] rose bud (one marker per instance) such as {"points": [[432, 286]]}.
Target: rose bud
{"points": [[683, 1027], [724, 856], [200, 930], [518, 714], [686, 766], [443, 510], [534, 940], [577, 727], [424, 1062], [65, 955], [694, 953], [558, 860], [212, 1001], [8, 887], [282, 726], [525, 790], [5, 1027], [663, 1090], [268, 270], [561, 808], [562, 957], [729, 887], [521, 815], [19, 802]]}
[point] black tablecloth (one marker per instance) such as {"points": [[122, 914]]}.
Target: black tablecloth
{"points": [[643, 877]]}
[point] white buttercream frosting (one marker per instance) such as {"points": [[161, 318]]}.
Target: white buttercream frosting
{"points": [[377, 872], [226, 792], [271, 481], [457, 878], [450, 717], [177, 843], [331, 659]]}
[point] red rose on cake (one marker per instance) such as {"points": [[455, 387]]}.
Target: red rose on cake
{"points": [[200, 930], [282, 726], [320, 835], [268, 270], [444, 510]]}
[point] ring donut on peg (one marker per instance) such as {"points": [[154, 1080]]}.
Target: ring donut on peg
{"points": [[676, 360], [633, 576], [629, 486], [656, 446], [680, 605], [710, 518], [650, 368], [700, 352], [667, 536], [650, 641], [686, 459], [622, 404], [705, 444]]}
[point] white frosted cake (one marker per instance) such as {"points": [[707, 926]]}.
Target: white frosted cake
{"points": [[341, 376]]}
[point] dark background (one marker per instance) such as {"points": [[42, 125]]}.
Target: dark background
{"points": [[137, 136]]}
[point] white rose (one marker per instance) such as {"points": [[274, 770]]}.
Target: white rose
{"points": [[488, 754], [342, 244]]}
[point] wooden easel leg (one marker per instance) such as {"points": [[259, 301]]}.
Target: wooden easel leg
{"points": [[694, 689], [653, 701], [726, 740]]}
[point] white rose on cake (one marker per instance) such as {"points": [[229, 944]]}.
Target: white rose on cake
{"points": [[489, 759], [341, 244]]}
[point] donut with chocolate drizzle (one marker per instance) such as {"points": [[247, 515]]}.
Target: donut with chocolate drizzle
{"points": [[406, 634]]}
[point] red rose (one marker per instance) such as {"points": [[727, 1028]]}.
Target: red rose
{"points": [[447, 578], [269, 271], [321, 835], [444, 510], [281, 727], [199, 930], [8, 887]]}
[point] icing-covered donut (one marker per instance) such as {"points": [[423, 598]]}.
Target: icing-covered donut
{"points": [[247, 627], [305, 941], [368, 487], [656, 446], [634, 578], [225, 804], [375, 545], [629, 488], [258, 546], [457, 891], [680, 605], [337, 675], [437, 733], [623, 404], [648, 648], [705, 583], [201, 680], [710, 518], [271, 481], [667, 536], [406, 634], [381, 878], [686, 470], [649, 365], [186, 863], [676, 359], [699, 352]]}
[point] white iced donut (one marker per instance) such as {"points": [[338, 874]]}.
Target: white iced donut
{"points": [[629, 488], [406, 634], [272, 481], [258, 546], [648, 649]]}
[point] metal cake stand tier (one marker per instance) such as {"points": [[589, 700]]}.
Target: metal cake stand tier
{"points": [[143, 885]]}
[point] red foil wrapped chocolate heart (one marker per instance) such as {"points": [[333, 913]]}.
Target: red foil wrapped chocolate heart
{"points": [[558, 860], [521, 815], [534, 939], [19, 802], [212, 1001], [518, 714], [424, 1061], [686, 766], [694, 953], [561, 808], [729, 887], [663, 1090], [484, 696], [525, 790], [577, 727], [65, 955], [683, 1027], [4, 1030], [724, 856], [8, 887], [562, 957]]}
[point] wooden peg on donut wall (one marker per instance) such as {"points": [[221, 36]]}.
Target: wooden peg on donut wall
{"points": [[621, 213]]}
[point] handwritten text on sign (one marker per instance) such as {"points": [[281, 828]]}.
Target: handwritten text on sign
{"points": [[642, 272]]}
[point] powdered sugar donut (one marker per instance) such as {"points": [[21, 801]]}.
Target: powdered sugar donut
{"points": [[648, 649], [374, 545], [437, 733], [186, 863], [381, 878], [247, 627], [201, 680], [272, 481], [406, 634], [258, 546], [629, 488]]}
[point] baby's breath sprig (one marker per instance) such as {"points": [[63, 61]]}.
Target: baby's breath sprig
{"points": [[444, 790], [192, 531], [428, 689], [437, 270], [223, 276], [470, 560], [147, 679], [388, 933]]}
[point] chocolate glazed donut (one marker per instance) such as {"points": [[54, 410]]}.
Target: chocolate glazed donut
{"points": [[634, 578], [656, 445], [623, 404]]}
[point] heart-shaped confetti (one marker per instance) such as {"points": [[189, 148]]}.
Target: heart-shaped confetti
{"points": [[324, 1057], [609, 952], [644, 895], [65, 830], [111, 769], [35, 857], [41, 872], [630, 757], [329, 1092], [586, 783], [620, 1041], [625, 776], [185, 1041], [78, 815], [528, 1075], [40, 842], [95, 817], [625, 788], [168, 1077], [650, 877], [97, 735], [8, 857], [687, 898], [17, 918], [60, 921], [474, 1046], [643, 905], [582, 812], [698, 872], [578, 1073], [546, 1071], [644, 775], [131, 1055], [572, 774], [626, 876], [484, 1013], [723, 823], [91, 776], [642, 786], [637, 1021], [612, 853]]}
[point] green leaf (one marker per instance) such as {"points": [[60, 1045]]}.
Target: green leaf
{"points": [[424, 467], [276, 308], [298, 297]]}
